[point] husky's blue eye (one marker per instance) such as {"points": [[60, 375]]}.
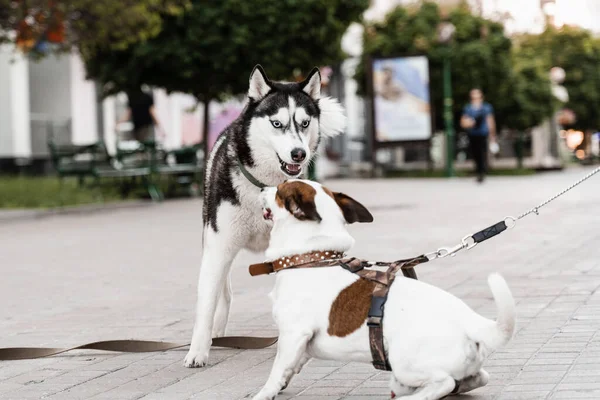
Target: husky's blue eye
{"points": [[276, 124], [306, 123]]}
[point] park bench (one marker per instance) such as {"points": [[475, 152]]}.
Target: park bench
{"points": [[94, 161], [77, 160], [143, 160], [184, 166]]}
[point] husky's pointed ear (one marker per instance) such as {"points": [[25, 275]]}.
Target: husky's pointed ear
{"points": [[260, 85], [312, 84], [353, 211]]}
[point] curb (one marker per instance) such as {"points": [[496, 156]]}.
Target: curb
{"points": [[24, 215]]}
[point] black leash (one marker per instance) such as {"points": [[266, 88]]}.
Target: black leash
{"points": [[470, 241]]}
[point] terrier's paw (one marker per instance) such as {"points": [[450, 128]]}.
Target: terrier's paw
{"points": [[195, 359]]}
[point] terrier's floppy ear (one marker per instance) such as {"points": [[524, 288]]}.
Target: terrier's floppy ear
{"points": [[260, 85], [299, 199], [353, 211], [312, 84]]}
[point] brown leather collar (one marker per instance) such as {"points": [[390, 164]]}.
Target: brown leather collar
{"points": [[294, 261]]}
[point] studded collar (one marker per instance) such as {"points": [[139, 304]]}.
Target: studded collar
{"points": [[321, 256]]}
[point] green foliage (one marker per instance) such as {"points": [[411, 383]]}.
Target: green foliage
{"points": [[480, 56], [577, 51], [84, 24], [528, 96], [210, 50]]}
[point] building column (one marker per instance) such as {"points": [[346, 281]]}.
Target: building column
{"points": [[109, 122], [15, 128], [84, 124]]}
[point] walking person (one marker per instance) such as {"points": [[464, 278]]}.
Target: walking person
{"points": [[478, 120], [142, 114]]}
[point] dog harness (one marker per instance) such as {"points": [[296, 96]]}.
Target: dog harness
{"points": [[383, 280]]}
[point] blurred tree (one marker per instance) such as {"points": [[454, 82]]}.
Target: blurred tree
{"points": [[210, 50], [42, 26], [529, 100], [528, 94], [577, 51], [480, 55]]}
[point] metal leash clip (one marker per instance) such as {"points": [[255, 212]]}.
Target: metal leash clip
{"points": [[470, 241], [466, 243]]}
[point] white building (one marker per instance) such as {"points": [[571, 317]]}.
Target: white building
{"points": [[15, 138], [52, 99]]}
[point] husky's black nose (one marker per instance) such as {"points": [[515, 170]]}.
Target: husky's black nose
{"points": [[298, 154]]}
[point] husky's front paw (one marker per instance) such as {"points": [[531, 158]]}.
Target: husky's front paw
{"points": [[195, 359], [261, 396]]}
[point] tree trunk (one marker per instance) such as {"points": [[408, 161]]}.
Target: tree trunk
{"points": [[206, 126], [520, 149]]}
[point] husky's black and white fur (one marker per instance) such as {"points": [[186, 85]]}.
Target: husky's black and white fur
{"points": [[275, 138]]}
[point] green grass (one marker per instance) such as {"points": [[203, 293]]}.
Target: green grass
{"points": [[460, 174], [46, 192]]}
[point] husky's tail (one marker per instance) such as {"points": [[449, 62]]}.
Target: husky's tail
{"points": [[499, 333]]}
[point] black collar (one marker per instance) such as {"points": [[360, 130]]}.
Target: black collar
{"points": [[249, 176], [246, 173]]}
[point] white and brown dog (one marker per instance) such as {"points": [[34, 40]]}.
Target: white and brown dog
{"points": [[435, 343]]}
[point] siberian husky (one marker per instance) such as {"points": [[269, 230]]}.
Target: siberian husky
{"points": [[274, 138]]}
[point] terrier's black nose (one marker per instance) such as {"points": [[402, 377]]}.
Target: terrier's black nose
{"points": [[298, 154]]}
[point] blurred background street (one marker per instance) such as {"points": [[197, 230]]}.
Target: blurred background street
{"points": [[71, 74], [459, 113]]}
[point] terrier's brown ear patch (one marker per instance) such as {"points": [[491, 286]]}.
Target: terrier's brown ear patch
{"points": [[350, 309], [299, 199]]}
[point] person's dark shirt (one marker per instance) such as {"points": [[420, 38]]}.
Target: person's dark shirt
{"points": [[140, 110], [479, 114]]}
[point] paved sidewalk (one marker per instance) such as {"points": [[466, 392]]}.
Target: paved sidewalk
{"points": [[10, 215], [131, 273]]}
